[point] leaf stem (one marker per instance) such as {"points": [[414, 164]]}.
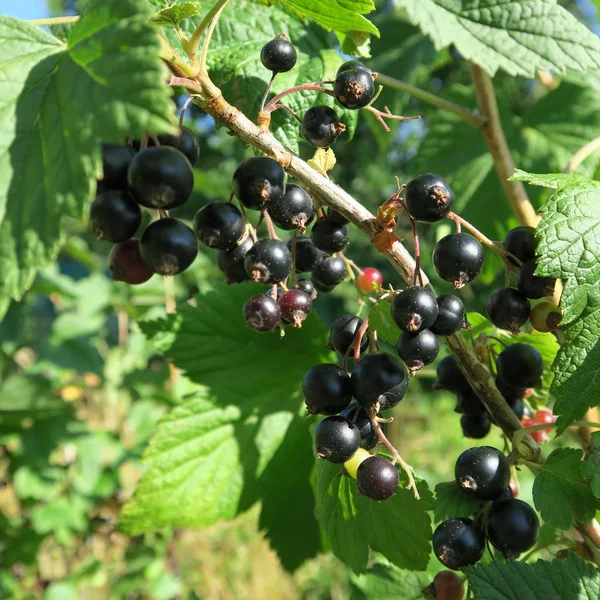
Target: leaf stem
{"points": [[191, 48], [270, 107], [55, 20], [582, 154], [209, 34], [171, 56]]}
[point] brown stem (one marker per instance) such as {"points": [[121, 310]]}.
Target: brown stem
{"points": [[413, 226], [269, 223], [386, 113], [297, 88], [266, 95]]}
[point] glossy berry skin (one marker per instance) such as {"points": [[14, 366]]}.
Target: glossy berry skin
{"points": [[545, 317], [417, 349], [126, 264], [329, 271], [114, 216], [521, 243], [356, 414], [428, 198], [377, 478], [531, 285], [483, 472], [451, 315], [295, 306], [475, 426], [448, 586], [450, 377], [329, 237], [512, 527], [294, 210], [367, 278], [219, 225], [160, 177], [351, 64], [414, 309], [257, 181], [336, 218], [116, 159], [458, 543], [468, 403], [321, 287], [510, 393], [458, 258], [508, 309], [306, 253], [521, 364], [306, 285], [337, 439], [268, 261], [321, 126], [278, 55], [185, 142], [327, 389], [379, 380], [261, 312], [343, 331], [354, 88], [168, 246], [231, 262]]}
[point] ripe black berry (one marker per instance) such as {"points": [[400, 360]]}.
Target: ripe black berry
{"points": [[533, 286], [295, 305], [458, 543], [450, 377], [321, 126], [160, 177], [451, 315], [258, 180], [278, 55], [468, 403], [508, 309], [219, 225], [185, 142], [336, 218], [354, 88], [261, 312], [327, 389], [356, 414], [293, 210], [521, 364], [351, 64], [458, 258], [126, 264], [545, 317], [114, 216], [343, 331], [379, 381], [328, 272], [446, 586], [337, 439], [512, 527], [483, 472], [268, 261], [306, 253], [417, 349], [475, 426], [168, 246], [521, 242], [414, 309], [231, 262], [306, 285], [329, 237], [428, 198], [510, 393], [377, 478], [116, 159]]}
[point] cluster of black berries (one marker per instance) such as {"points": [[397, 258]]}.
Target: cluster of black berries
{"points": [[510, 525]]}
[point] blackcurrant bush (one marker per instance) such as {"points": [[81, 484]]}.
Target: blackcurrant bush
{"points": [[521, 243], [379, 381], [306, 285], [168, 246], [336, 218], [126, 264], [533, 286], [417, 349], [512, 527], [521, 364], [321, 126], [231, 262], [261, 312], [354, 88], [278, 55], [356, 414], [160, 177], [327, 389], [458, 543], [447, 586], [219, 225], [293, 210], [343, 331], [258, 180], [116, 159], [114, 216], [414, 309], [458, 258], [268, 261], [451, 315], [306, 253], [329, 237], [508, 309], [185, 142], [428, 198], [468, 403], [351, 64], [545, 317], [377, 478], [328, 272], [295, 306], [510, 393], [450, 377], [483, 472], [337, 439], [366, 280], [475, 426]]}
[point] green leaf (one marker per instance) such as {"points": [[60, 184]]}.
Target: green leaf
{"points": [[570, 579], [452, 502], [383, 581], [172, 15], [58, 102], [560, 491], [553, 181], [380, 320], [590, 468], [28, 396], [518, 37]]}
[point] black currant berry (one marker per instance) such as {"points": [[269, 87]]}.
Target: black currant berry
{"points": [[258, 180], [458, 543], [451, 315], [483, 472], [428, 198], [508, 309], [306, 285], [185, 142], [356, 414], [231, 262], [328, 272], [219, 225], [329, 237], [168, 246], [450, 377], [417, 349], [336, 218], [307, 253], [351, 64], [116, 159], [510, 393], [327, 389], [343, 331], [377, 478], [295, 306], [321, 126], [293, 210], [545, 317], [458, 258], [475, 426], [379, 381], [337, 439], [268, 261], [114, 216], [521, 364], [160, 177], [533, 286], [261, 312], [468, 403], [512, 527], [354, 88], [126, 264], [278, 55], [414, 309], [520, 242], [446, 586]]}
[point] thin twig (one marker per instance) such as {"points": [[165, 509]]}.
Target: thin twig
{"points": [[269, 223], [386, 113], [266, 95], [582, 154], [54, 20]]}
